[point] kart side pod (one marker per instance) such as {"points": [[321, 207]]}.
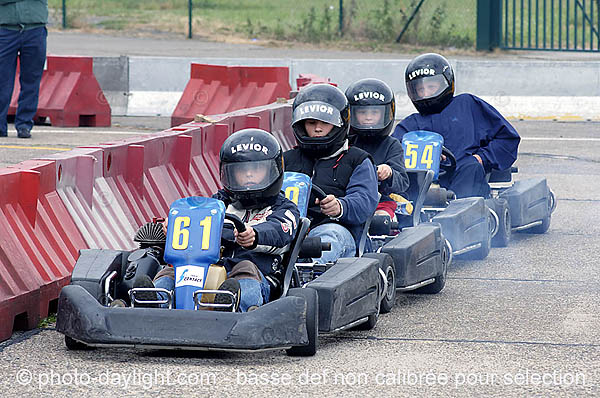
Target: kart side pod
{"points": [[348, 293], [417, 254], [530, 202], [466, 225]]}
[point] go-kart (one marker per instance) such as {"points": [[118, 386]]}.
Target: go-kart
{"points": [[473, 225], [420, 253], [345, 294], [356, 289]]}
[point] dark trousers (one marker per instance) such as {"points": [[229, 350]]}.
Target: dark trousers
{"points": [[30, 47], [468, 179]]}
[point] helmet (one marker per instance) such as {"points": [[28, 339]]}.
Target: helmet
{"points": [[429, 83], [372, 108], [251, 167], [325, 103]]}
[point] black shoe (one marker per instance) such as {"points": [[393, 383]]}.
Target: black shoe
{"points": [[222, 298], [144, 281], [23, 133]]}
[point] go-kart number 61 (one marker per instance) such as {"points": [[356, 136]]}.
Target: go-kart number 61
{"points": [[414, 152], [292, 194], [181, 235]]}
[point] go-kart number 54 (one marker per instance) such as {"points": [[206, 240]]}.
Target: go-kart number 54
{"points": [[181, 235], [418, 153]]}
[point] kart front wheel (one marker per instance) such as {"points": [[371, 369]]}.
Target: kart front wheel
{"points": [[312, 322]]}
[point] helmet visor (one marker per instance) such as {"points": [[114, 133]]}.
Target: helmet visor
{"points": [[370, 117], [427, 87], [317, 110], [249, 176]]}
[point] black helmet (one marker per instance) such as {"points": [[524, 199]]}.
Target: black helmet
{"points": [[251, 167], [372, 108], [328, 104], [429, 83]]}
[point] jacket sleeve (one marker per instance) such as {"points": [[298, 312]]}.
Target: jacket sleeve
{"points": [[398, 181], [362, 196], [499, 141], [277, 232]]}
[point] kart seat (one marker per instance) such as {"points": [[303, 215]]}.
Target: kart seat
{"points": [[501, 175]]}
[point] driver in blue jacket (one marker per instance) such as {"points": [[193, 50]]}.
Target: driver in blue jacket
{"points": [[480, 138], [251, 169]]}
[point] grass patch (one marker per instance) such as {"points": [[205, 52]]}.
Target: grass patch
{"points": [[47, 322], [445, 23]]}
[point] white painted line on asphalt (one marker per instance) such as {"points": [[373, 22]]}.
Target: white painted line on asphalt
{"points": [[559, 139]]}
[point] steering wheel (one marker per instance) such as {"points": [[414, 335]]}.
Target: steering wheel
{"points": [[447, 166], [237, 223], [318, 192]]}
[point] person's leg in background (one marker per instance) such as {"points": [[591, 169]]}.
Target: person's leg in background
{"points": [[32, 59], [9, 48]]}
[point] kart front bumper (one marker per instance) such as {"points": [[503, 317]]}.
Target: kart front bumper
{"points": [[279, 324]]}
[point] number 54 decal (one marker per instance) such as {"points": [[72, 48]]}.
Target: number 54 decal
{"points": [[181, 233], [417, 154]]}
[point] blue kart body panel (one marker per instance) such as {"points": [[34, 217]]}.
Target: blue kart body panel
{"points": [[422, 151], [297, 187], [193, 244]]}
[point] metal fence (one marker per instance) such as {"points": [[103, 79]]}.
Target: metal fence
{"points": [[556, 25]]}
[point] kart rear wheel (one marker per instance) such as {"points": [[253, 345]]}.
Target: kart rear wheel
{"points": [[440, 280], [386, 263], [75, 345], [500, 206], [312, 322]]}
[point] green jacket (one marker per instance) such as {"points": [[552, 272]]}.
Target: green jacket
{"points": [[30, 13]]}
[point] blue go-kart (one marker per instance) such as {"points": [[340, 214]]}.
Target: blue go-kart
{"points": [[329, 298], [473, 225]]}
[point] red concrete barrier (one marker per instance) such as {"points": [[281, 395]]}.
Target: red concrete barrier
{"points": [[215, 89], [38, 244], [97, 197], [304, 79], [69, 94]]}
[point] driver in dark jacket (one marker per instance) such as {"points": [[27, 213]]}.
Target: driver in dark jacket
{"points": [[480, 138]]}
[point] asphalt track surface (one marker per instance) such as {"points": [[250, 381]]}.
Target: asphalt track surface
{"points": [[523, 322]]}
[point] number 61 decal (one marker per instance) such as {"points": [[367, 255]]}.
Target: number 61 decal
{"points": [[181, 233]]}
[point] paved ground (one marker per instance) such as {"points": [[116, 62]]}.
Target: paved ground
{"points": [[523, 322], [77, 43]]}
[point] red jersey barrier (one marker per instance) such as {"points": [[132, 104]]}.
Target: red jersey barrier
{"points": [[69, 94], [216, 89], [97, 197], [304, 79]]}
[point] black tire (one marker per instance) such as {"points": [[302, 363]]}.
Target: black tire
{"points": [[500, 206], [386, 263], [312, 322], [440, 280], [75, 345]]}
